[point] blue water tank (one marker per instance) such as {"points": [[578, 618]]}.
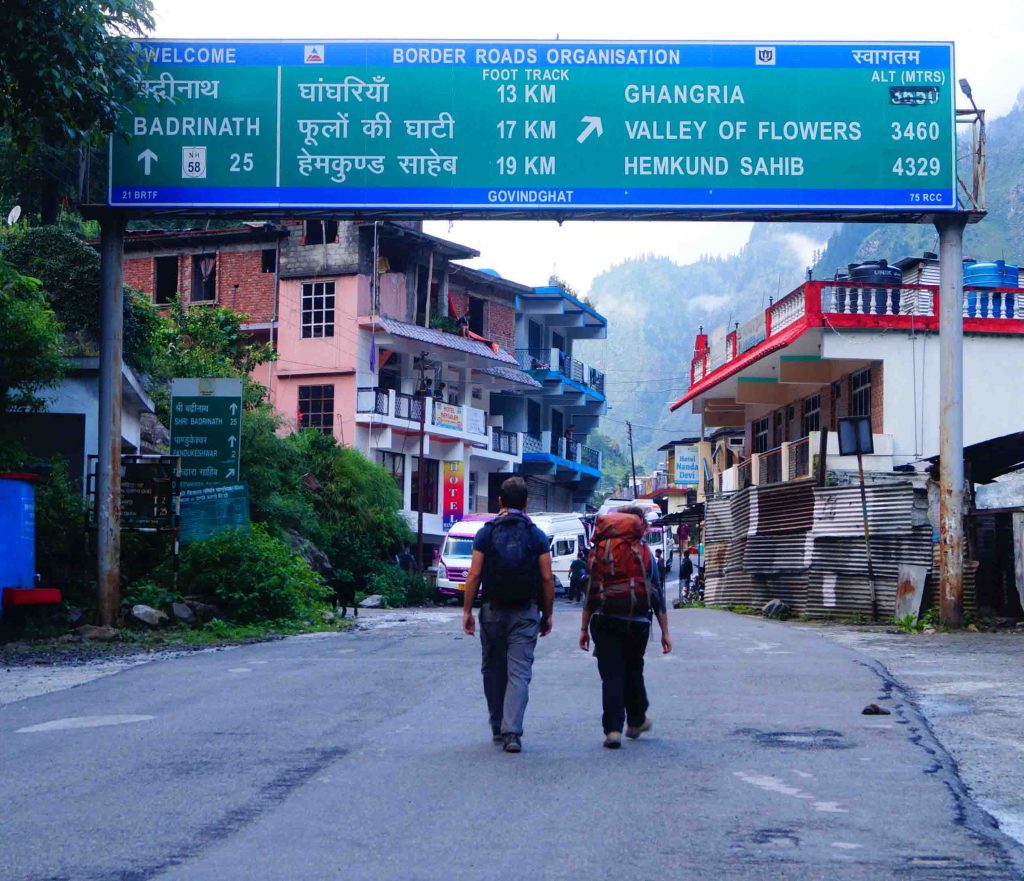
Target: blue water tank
{"points": [[17, 530], [998, 274]]}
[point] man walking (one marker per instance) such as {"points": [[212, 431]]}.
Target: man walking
{"points": [[625, 593], [512, 559]]}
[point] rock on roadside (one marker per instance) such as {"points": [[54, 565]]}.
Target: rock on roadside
{"points": [[149, 616], [98, 634], [183, 614], [776, 609], [372, 602]]}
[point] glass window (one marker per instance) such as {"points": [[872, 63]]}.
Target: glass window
{"points": [[430, 485], [812, 414], [563, 547], [761, 435], [204, 278], [458, 547], [395, 463], [860, 392], [319, 232], [318, 309], [316, 407]]}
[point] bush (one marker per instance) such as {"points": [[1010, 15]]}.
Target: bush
{"points": [[253, 576], [396, 586]]}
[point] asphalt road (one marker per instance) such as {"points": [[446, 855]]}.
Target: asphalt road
{"points": [[367, 756]]}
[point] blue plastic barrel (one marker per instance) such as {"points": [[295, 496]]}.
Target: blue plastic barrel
{"points": [[998, 274], [17, 530]]}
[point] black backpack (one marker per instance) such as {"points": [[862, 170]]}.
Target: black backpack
{"points": [[511, 569]]}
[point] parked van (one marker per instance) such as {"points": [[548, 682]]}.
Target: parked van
{"points": [[565, 532], [656, 536]]}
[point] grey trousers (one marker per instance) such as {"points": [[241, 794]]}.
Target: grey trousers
{"points": [[508, 638]]}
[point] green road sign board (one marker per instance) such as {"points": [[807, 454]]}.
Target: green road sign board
{"points": [[205, 512], [206, 430], [569, 127]]}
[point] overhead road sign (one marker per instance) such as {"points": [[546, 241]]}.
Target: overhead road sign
{"points": [[717, 130], [206, 430]]}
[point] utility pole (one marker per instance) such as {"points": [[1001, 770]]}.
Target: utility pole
{"points": [[108, 462], [421, 394], [951, 418], [632, 461]]}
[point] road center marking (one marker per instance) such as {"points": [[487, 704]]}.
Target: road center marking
{"points": [[73, 722]]}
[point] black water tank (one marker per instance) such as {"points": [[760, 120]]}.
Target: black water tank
{"points": [[875, 287]]}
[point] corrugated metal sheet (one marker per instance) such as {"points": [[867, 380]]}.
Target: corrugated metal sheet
{"points": [[837, 510], [768, 554], [718, 524], [848, 555], [786, 507], [838, 595], [790, 587]]}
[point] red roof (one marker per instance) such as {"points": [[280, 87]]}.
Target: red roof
{"points": [[731, 368]]}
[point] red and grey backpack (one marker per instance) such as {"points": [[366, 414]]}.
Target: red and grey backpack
{"points": [[619, 566]]}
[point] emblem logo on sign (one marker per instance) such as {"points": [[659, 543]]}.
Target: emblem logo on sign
{"points": [[315, 54], [193, 162], [764, 55]]}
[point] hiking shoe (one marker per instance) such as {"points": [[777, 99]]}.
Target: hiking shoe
{"points": [[498, 737], [613, 739], [513, 744], [634, 731]]}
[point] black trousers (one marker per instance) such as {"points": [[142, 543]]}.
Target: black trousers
{"points": [[619, 647]]}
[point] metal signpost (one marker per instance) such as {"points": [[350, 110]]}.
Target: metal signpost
{"points": [[537, 128], [856, 439], [206, 430]]}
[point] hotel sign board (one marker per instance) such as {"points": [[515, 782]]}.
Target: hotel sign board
{"points": [[540, 127]]}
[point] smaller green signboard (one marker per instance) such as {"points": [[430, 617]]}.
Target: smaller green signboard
{"points": [[206, 430], [148, 488], [205, 512]]}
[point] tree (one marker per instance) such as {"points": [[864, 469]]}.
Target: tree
{"points": [[69, 270], [206, 341], [30, 345], [68, 70]]}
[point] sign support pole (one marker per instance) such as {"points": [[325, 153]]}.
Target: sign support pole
{"points": [[867, 537], [108, 466], [420, 471], [951, 418]]}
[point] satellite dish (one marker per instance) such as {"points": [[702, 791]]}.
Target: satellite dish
{"points": [[12, 217]]}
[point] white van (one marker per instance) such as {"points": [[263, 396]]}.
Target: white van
{"points": [[565, 533], [656, 536]]}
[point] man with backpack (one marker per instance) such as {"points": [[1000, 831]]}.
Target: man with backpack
{"points": [[625, 592], [512, 559]]}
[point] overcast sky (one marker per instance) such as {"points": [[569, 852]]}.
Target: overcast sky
{"points": [[988, 36]]}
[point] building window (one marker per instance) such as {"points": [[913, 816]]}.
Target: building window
{"points": [[471, 500], [317, 309], [204, 278], [761, 435], [316, 407], [780, 427], [319, 232], [395, 464], [860, 392], [429, 485], [268, 260], [165, 283], [477, 309], [812, 414]]}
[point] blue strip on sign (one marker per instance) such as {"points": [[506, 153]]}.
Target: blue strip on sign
{"points": [[535, 54], [499, 198]]}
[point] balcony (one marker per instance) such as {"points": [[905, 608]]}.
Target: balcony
{"points": [[556, 452], [376, 406], [797, 460], [554, 363], [839, 305]]}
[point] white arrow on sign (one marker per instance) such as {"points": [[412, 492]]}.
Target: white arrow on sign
{"points": [[234, 409], [231, 440], [593, 124], [147, 157], [230, 473]]}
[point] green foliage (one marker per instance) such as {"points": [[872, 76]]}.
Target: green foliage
{"points": [[253, 576], [931, 618], [30, 344], [61, 557], [445, 323], [909, 624], [150, 593], [357, 503], [68, 68], [69, 270], [396, 586], [206, 341]]}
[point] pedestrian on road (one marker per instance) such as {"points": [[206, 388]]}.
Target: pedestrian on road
{"points": [[662, 566], [577, 576], [625, 592], [685, 573], [512, 559]]}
